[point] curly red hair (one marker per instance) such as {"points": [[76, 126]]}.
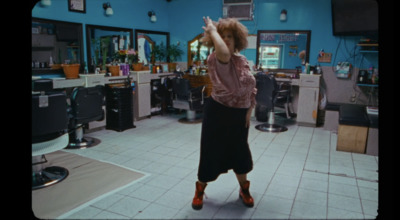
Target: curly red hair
{"points": [[239, 32]]}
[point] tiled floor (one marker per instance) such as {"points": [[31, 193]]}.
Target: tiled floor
{"points": [[298, 174]]}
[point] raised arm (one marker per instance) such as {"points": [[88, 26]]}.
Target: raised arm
{"points": [[221, 49]]}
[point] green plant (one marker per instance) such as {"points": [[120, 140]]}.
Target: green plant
{"points": [[198, 50], [133, 56], [158, 52], [105, 42], [174, 52]]}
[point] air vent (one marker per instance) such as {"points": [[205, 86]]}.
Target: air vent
{"points": [[239, 9]]}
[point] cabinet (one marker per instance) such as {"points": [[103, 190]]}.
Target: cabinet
{"points": [[119, 113], [308, 100], [142, 94], [43, 40]]}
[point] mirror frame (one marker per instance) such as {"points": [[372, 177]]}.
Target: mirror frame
{"points": [[307, 32], [106, 28], [189, 52], [79, 27], [137, 31]]}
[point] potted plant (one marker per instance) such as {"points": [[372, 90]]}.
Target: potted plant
{"points": [[173, 53], [105, 42], [133, 58], [198, 57], [158, 53], [71, 70]]}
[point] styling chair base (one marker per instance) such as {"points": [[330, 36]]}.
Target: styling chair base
{"points": [[48, 176]]}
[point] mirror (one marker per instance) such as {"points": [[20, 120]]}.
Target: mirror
{"points": [[196, 51], [146, 41], [103, 42], [62, 41], [281, 49]]}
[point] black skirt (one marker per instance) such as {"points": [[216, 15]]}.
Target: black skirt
{"points": [[224, 142]]}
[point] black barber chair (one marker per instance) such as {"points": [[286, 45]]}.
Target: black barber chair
{"points": [[283, 99], [86, 106], [267, 95], [187, 98], [49, 132]]}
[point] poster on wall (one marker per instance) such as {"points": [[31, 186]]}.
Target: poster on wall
{"points": [[252, 41], [293, 50], [77, 6]]}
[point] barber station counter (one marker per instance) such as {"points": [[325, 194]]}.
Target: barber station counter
{"points": [[142, 93], [305, 95]]}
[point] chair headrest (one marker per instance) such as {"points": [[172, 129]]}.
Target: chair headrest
{"points": [[44, 85], [266, 88]]}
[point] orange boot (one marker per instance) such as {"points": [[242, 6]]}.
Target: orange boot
{"points": [[198, 196], [244, 194]]}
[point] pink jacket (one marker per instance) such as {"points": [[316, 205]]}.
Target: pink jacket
{"points": [[233, 84]]}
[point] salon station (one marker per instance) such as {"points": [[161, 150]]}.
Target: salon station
{"points": [[104, 69]]}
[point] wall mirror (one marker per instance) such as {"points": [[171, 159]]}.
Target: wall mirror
{"points": [[62, 41], [281, 49], [146, 41], [196, 51], [103, 42]]}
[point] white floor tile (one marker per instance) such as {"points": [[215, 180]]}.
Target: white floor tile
{"points": [[275, 204], [108, 201], [109, 215], [265, 214], [285, 180], [314, 184], [86, 213], [344, 202], [163, 181], [302, 210], [277, 190], [156, 211], [344, 190], [312, 197], [174, 199], [233, 211], [296, 174], [334, 213], [148, 193], [370, 207], [369, 194], [128, 206]]}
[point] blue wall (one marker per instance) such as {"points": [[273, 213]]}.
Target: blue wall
{"points": [[183, 19]]}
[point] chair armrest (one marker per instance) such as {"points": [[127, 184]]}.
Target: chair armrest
{"points": [[197, 93]]}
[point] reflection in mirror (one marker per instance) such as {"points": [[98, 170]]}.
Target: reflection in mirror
{"points": [[103, 42], [196, 51], [55, 42], [147, 41], [281, 49]]}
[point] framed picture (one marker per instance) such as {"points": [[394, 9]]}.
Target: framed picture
{"points": [[165, 67], [77, 6]]}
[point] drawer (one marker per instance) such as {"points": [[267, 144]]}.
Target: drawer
{"points": [[307, 80]]}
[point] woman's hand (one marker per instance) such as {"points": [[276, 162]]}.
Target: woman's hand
{"points": [[221, 49], [209, 25], [248, 115]]}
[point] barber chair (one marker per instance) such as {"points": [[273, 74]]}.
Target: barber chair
{"points": [[86, 106], [267, 95], [187, 98], [283, 99], [49, 132]]}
